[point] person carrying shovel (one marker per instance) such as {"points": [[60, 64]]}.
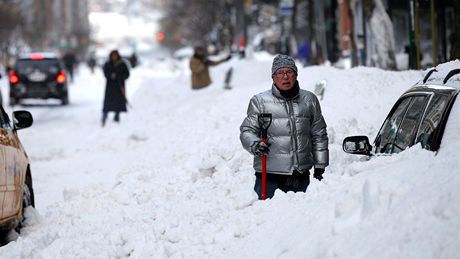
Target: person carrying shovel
{"points": [[116, 72], [296, 133]]}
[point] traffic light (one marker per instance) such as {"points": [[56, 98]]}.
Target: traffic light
{"points": [[160, 36]]}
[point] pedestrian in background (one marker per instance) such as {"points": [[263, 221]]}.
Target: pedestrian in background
{"points": [[297, 137], [133, 60], [91, 62], [303, 53], [116, 72], [70, 61], [199, 65]]}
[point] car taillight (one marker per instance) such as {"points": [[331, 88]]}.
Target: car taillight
{"points": [[37, 56], [61, 77], [14, 79]]}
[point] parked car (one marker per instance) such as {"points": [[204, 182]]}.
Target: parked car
{"points": [[1, 97], [38, 75], [16, 190], [419, 116]]}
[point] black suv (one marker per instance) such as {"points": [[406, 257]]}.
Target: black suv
{"points": [[419, 116], [38, 75]]}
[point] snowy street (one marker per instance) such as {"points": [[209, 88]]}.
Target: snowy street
{"points": [[171, 180]]}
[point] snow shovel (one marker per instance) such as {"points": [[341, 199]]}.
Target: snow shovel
{"points": [[264, 119], [123, 93]]}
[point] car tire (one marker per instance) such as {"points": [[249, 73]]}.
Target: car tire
{"points": [[65, 100], [28, 199], [4, 237], [13, 101]]}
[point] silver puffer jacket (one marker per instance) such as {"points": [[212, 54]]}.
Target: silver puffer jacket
{"points": [[297, 134]]}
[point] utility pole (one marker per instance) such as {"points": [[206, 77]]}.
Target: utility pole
{"points": [[240, 27], [364, 36], [417, 33], [246, 19], [320, 32], [414, 54], [442, 30], [286, 9]]}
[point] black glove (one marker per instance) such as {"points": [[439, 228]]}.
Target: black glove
{"points": [[318, 174], [260, 148]]}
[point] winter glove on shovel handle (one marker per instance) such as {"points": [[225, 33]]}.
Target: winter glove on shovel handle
{"points": [[260, 148], [318, 173]]}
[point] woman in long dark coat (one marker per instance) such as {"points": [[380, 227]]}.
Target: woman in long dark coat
{"points": [[116, 72]]}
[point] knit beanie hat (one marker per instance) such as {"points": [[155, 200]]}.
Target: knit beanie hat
{"points": [[283, 61]]}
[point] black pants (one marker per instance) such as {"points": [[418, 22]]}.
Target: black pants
{"points": [[298, 182], [116, 118]]}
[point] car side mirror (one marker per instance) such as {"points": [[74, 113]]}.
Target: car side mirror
{"points": [[358, 145], [22, 119]]}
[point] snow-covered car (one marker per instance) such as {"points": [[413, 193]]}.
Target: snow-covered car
{"points": [[419, 116], [16, 191]]}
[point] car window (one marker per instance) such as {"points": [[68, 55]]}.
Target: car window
{"points": [[388, 131], [4, 120], [431, 121], [45, 65], [409, 125]]}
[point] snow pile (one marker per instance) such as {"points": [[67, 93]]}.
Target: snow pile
{"points": [[172, 180]]}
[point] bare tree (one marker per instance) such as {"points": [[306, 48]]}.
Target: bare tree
{"points": [[193, 20], [354, 47], [9, 23]]}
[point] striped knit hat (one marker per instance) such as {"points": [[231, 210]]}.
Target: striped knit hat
{"points": [[283, 61]]}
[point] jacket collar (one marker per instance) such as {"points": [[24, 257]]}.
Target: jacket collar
{"points": [[276, 92], [116, 63]]}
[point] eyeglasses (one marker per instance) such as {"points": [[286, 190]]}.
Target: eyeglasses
{"points": [[280, 74]]}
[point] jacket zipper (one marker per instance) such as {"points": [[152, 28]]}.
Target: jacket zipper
{"points": [[294, 129]]}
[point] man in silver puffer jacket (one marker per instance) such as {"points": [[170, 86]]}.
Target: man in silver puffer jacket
{"points": [[297, 137]]}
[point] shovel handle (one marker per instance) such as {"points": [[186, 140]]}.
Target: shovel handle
{"points": [[264, 177], [264, 119], [264, 173]]}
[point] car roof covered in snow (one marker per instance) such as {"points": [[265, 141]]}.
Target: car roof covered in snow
{"points": [[443, 76]]}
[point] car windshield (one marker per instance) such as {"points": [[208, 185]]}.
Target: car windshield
{"points": [[29, 65], [387, 134]]}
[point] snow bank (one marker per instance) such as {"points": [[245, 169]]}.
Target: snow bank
{"points": [[172, 180]]}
